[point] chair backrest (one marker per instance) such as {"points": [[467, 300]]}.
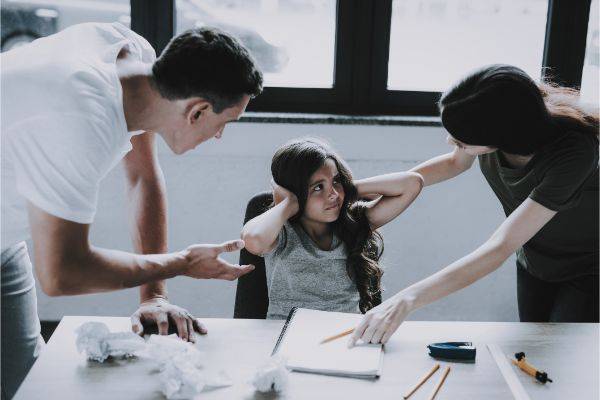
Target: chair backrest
{"points": [[252, 296]]}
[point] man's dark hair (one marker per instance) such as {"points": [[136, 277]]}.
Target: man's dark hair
{"points": [[207, 63]]}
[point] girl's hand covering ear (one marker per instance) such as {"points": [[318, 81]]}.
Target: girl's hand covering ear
{"points": [[280, 193]]}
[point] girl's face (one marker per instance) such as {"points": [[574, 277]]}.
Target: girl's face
{"points": [[469, 149], [325, 194]]}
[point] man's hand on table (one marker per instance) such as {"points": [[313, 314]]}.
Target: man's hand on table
{"points": [[159, 311]]}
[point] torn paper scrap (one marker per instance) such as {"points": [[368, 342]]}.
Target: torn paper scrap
{"points": [[272, 375], [98, 343]]}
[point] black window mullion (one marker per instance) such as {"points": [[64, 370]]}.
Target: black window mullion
{"points": [[566, 32], [154, 20], [319, 100], [382, 100]]}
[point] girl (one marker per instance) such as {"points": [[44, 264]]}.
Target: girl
{"points": [[319, 241], [538, 149]]}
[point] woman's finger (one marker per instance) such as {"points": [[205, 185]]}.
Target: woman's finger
{"points": [[359, 330], [379, 332], [390, 331], [369, 332]]}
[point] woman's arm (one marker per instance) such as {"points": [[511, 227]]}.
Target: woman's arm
{"points": [[382, 321], [397, 191], [444, 167], [260, 233]]}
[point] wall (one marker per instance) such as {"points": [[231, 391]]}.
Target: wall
{"points": [[209, 187]]}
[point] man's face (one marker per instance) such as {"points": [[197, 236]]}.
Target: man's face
{"points": [[470, 149], [199, 123]]}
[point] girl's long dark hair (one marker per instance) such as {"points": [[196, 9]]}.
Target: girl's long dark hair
{"points": [[292, 166], [501, 106]]}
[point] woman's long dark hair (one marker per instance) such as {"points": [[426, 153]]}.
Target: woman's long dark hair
{"points": [[501, 106], [292, 166]]}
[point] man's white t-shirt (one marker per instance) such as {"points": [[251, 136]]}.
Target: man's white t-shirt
{"points": [[62, 122]]}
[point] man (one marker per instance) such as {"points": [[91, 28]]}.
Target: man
{"points": [[73, 105]]}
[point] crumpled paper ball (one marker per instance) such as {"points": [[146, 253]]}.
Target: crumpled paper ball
{"points": [[162, 349], [180, 365], [98, 343], [273, 375]]}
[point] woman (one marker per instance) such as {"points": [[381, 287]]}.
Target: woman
{"points": [[538, 149]]}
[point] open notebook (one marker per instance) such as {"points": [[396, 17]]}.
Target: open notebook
{"points": [[300, 339]]}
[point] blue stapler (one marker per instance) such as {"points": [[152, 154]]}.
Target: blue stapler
{"points": [[453, 350]]}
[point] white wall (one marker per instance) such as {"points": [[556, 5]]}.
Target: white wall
{"points": [[209, 187]]}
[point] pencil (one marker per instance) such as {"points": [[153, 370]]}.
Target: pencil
{"points": [[339, 335], [422, 381], [440, 383]]}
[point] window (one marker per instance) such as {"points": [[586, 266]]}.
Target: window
{"points": [[435, 42], [354, 56], [293, 41], [25, 21], [591, 65]]}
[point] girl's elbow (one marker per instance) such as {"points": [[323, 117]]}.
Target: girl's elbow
{"points": [[416, 182], [252, 243]]}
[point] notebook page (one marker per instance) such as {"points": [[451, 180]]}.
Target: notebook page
{"points": [[308, 328]]}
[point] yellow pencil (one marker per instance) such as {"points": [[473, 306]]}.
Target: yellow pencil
{"points": [[440, 383], [339, 335], [422, 381]]}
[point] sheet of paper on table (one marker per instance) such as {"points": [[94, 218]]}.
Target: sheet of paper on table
{"points": [[300, 343]]}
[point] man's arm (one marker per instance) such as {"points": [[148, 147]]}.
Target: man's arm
{"points": [[67, 264], [148, 226], [147, 205]]}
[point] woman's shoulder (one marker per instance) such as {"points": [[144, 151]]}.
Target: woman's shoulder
{"points": [[573, 153]]}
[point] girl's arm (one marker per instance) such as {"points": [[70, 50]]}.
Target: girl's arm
{"points": [[260, 233], [397, 191], [382, 321], [444, 167]]}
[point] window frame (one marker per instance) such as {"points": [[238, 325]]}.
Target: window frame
{"points": [[361, 58]]}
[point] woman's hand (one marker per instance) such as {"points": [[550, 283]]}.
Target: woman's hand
{"points": [[158, 310], [380, 323], [280, 194]]}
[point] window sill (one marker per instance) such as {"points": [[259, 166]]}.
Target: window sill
{"points": [[293, 118]]}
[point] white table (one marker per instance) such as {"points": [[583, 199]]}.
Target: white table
{"points": [[568, 352]]}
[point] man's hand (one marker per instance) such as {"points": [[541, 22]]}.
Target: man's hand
{"points": [[203, 261], [380, 323], [158, 310]]}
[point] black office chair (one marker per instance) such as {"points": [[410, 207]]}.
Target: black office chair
{"points": [[252, 296]]}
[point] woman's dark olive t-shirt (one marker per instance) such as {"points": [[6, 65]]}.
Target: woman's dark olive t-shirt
{"points": [[563, 176]]}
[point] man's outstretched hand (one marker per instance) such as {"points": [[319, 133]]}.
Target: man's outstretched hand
{"points": [[203, 261]]}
